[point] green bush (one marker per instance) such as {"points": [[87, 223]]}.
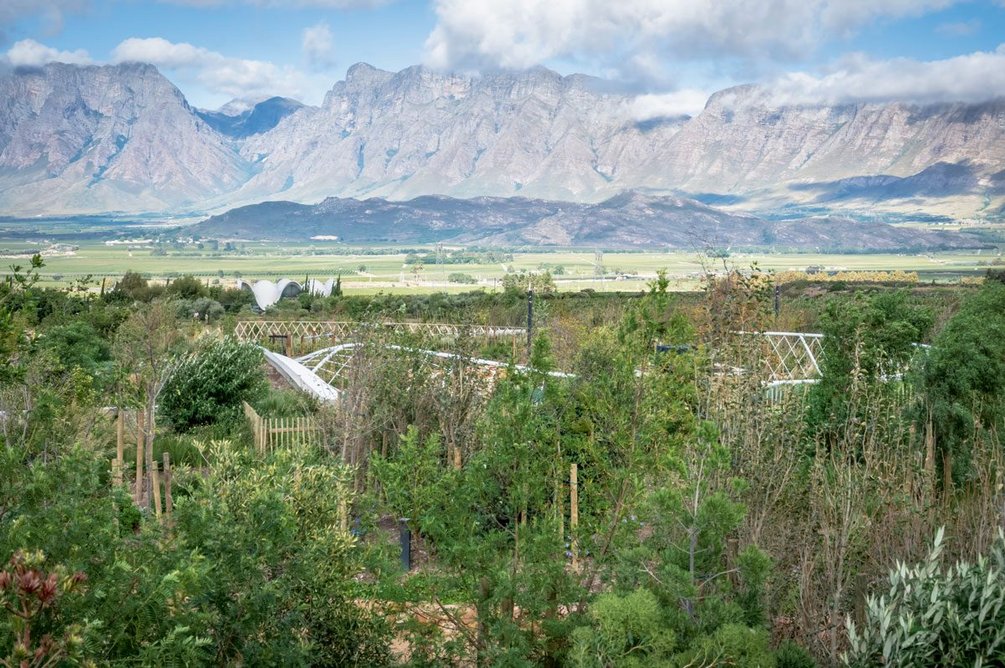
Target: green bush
{"points": [[77, 344], [459, 277], [730, 645], [209, 385], [963, 378], [624, 631], [791, 655], [931, 617], [186, 287], [285, 403]]}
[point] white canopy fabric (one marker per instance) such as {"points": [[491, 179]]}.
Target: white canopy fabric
{"points": [[301, 377]]}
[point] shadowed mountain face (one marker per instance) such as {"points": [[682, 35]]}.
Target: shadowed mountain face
{"points": [[627, 221], [122, 138], [940, 180], [262, 117]]}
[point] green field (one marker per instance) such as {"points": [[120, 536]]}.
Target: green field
{"points": [[371, 270]]}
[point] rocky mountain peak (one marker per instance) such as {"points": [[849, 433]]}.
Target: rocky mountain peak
{"points": [[123, 137]]}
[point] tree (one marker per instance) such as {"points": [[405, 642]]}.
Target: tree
{"points": [[77, 344], [147, 347], [210, 383], [187, 287], [868, 341], [15, 291], [520, 283], [132, 286], [963, 377]]}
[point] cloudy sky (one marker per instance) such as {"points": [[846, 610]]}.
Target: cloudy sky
{"points": [[672, 53]]}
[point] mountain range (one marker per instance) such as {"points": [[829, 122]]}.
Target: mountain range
{"points": [[122, 138], [630, 220]]}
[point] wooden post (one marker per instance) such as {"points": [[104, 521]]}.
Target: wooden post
{"points": [[257, 423], [574, 512], [116, 472], [259, 435], [120, 439], [138, 494], [343, 508], [150, 430], [859, 598], [168, 499], [155, 485], [560, 504]]}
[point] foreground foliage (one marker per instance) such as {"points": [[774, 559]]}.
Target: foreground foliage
{"points": [[715, 523], [934, 617], [252, 567]]}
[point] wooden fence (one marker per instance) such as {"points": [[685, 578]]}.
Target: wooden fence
{"points": [[271, 433]]}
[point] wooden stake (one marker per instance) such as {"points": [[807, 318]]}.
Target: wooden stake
{"points": [[156, 485], [343, 509], [120, 440], [259, 435], [168, 499], [574, 512], [116, 473], [151, 464], [138, 495], [560, 503]]}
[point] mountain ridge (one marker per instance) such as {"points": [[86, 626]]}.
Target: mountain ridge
{"points": [[69, 137], [629, 220]]}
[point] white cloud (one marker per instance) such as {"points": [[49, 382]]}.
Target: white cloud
{"points": [[318, 46], [687, 102], [29, 53], [521, 33], [975, 77], [233, 77]]}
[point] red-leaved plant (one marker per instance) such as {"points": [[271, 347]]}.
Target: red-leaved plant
{"points": [[29, 595]]}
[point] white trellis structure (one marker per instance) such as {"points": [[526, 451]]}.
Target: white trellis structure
{"points": [[311, 335], [790, 358], [793, 357], [320, 373]]}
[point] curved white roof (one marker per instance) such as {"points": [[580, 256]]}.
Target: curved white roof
{"points": [[268, 293]]}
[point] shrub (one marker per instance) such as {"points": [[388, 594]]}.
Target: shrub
{"points": [[77, 344], [791, 655], [730, 645], [209, 385], [187, 287], [134, 287], [931, 617], [624, 631]]}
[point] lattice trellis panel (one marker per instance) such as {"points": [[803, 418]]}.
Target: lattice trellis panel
{"points": [[308, 335], [793, 355]]}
